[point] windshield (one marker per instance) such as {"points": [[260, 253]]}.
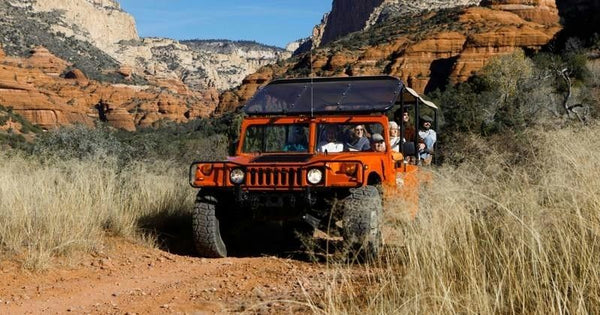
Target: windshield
{"points": [[333, 138], [276, 138], [326, 95]]}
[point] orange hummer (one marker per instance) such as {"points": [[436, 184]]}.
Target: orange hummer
{"points": [[313, 153]]}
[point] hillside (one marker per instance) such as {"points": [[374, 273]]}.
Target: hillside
{"points": [[144, 80], [426, 50]]}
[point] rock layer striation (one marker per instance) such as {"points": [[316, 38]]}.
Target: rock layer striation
{"points": [[426, 50]]}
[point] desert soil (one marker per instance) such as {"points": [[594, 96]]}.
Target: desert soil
{"points": [[128, 278]]}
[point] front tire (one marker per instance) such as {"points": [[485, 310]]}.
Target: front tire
{"points": [[362, 219], [207, 233]]}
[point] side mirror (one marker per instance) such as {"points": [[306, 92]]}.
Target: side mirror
{"points": [[409, 148], [232, 147]]}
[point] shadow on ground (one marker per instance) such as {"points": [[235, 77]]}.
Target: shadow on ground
{"points": [[173, 234]]}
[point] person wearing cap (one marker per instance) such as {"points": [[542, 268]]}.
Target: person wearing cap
{"points": [[394, 136], [429, 137], [378, 142]]}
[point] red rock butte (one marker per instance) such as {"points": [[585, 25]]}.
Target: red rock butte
{"points": [[47, 91], [454, 52]]}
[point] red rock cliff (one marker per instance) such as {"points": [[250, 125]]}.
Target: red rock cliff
{"points": [[33, 88], [425, 52]]}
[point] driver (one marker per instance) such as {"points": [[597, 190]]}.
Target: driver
{"points": [[329, 142], [297, 140]]}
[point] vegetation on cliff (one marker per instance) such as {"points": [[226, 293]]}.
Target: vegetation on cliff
{"points": [[22, 30]]}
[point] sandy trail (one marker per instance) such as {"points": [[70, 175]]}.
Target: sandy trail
{"points": [[130, 278]]}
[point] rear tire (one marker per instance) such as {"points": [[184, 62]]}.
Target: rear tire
{"points": [[362, 219], [206, 228]]}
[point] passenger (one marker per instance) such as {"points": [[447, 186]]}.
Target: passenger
{"points": [[358, 140], [378, 142], [329, 142], [394, 136], [297, 140], [429, 137], [409, 129]]}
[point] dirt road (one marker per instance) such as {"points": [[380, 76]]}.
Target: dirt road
{"points": [[129, 278]]}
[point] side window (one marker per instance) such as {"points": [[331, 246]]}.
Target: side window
{"points": [[356, 137], [254, 140]]}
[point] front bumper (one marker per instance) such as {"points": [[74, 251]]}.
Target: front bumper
{"points": [[264, 177]]}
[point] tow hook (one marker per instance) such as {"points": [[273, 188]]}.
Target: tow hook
{"points": [[312, 221]]}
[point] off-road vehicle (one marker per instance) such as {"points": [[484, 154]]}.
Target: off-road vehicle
{"points": [[306, 158]]}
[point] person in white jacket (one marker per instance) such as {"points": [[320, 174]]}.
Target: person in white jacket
{"points": [[395, 139], [329, 142]]}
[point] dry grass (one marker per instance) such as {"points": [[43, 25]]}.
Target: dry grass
{"points": [[58, 207], [492, 237]]}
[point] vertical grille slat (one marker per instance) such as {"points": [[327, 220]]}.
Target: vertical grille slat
{"points": [[299, 177], [284, 181]]}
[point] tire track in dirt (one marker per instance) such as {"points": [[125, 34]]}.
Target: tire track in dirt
{"points": [[130, 278]]}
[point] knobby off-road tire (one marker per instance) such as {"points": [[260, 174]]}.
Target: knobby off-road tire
{"points": [[362, 219], [207, 232]]}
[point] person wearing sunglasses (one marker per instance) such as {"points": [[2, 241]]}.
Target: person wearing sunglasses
{"points": [[358, 140]]}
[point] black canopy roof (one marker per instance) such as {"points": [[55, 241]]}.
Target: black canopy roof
{"points": [[326, 96]]}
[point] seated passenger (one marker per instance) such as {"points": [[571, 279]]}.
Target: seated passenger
{"points": [[329, 142], [297, 141], [358, 141], [429, 137], [394, 136], [378, 142], [409, 129]]}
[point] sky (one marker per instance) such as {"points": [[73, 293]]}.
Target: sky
{"points": [[271, 22]]}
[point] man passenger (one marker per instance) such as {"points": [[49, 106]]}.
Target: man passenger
{"points": [[429, 137], [378, 142]]}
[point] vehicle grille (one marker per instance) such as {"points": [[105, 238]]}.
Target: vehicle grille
{"points": [[273, 177]]}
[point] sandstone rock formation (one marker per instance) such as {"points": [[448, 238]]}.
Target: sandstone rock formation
{"points": [[32, 89], [101, 22], [426, 50], [539, 11], [349, 16], [90, 49]]}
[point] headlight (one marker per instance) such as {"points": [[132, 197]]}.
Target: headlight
{"points": [[314, 176], [237, 176]]}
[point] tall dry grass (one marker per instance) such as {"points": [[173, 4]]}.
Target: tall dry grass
{"points": [[58, 206], [492, 237]]}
